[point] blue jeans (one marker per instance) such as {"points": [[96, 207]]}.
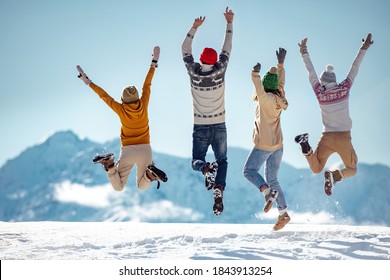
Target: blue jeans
{"points": [[202, 137], [272, 160]]}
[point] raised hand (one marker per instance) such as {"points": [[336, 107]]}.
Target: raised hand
{"points": [[281, 55], [367, 42], [155, 56], [198, 22], [257, 68], [83, 76], [302, 46], [229, 15]]}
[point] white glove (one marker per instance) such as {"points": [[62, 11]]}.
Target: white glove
{"points": [[155, 56], [83, 76]]}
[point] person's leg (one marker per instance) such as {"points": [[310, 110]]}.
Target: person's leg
{"points": [[143, 157], [254, 161], [324, 150], [201, 139], [118, 176], [348, 156], [271, 171], [219, 146]]}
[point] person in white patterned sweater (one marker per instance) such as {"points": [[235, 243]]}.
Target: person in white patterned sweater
{"points": [[333, 100], [207, 80]]}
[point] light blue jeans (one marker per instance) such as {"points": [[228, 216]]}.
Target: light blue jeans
{"points": [[272, 160]]}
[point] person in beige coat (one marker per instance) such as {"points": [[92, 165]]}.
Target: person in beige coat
{"points": [[267, 137]]}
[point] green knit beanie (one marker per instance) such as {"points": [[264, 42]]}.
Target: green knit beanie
{"points": [[270, 79]]}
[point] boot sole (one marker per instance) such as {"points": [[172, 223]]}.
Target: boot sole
{"points": [[98, 159], [328, 185], [218, 203]]}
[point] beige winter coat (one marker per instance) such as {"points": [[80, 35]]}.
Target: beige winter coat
{"points": [[267, 133]]}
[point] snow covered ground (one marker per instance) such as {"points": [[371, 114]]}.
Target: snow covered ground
{"points": [[126, 240], [104, 250]]}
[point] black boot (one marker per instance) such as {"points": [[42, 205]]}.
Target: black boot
{"points": [[218, 200], [303, 140], [210, 173], [107, 160], [153, 173]]}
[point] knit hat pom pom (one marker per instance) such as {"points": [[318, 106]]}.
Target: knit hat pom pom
{"points": [[329, 68], [328, 76]]}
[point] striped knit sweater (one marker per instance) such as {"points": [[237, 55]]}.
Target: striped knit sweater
{"points": [[208, 85], [334, 101]]}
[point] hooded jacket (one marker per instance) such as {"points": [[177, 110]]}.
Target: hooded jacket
{"points": [[134, 116], [267, 133]]}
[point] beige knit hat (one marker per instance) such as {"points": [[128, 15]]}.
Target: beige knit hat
{"points": [[130, 95]]}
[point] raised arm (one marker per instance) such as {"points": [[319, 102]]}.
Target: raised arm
{"points": [[256, 79], [115, 106], [146, 88], [353, 71], [313, 78], [227, 44], [186, 47], [281, 56]]}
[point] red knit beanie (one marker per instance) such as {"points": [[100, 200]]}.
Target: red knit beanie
{"points": [[208, 56]]}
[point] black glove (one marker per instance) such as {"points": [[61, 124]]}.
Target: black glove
{"points": [[257, 68], [281, 55]]}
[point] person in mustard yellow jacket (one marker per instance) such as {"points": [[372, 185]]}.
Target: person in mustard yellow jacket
{"points": [[267, 137], [135, 137]]}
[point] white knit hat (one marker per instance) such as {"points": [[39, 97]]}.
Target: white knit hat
{"points": [[328, 76]]}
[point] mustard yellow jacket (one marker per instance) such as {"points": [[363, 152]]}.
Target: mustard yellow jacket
{"points": [[134, 117]]}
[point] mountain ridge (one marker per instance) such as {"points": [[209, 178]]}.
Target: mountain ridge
{"points": [[31, 184]]}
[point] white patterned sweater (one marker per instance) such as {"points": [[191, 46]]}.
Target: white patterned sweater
{"points": [[334, 101], [208, 85]]}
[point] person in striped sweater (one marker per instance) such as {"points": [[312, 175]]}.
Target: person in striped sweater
{"points": [[207, 79], [333, 99]]}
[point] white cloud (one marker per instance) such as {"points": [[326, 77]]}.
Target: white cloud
{"points": [[97, 197]]}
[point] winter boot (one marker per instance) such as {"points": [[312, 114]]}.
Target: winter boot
{"points": [[107, 160], [210, 173], [218, 200], [282, 221], [269, 199], [303, 140], [153, 173], [331, 178]]}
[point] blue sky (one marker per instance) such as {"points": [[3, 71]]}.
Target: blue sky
{"points": [[42, 42]]}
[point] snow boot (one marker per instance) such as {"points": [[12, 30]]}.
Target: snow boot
{"points": [[155, 174], [107, 160], [210, 173], [282, 221], [269, 200], [218, 200], [303, 140], [331, 178]]}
